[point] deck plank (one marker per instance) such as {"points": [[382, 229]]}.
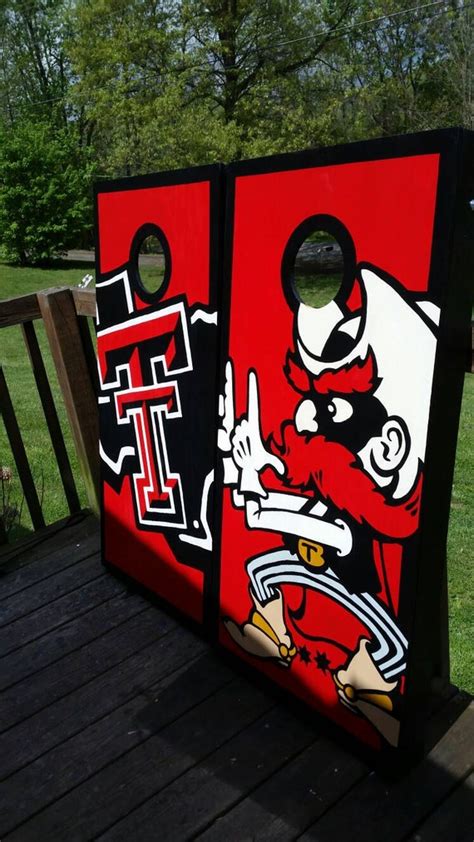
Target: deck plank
{"points": [[72, 713], [50, 684], [58, 612], [111, 794], [376, 810], [196, 798], [20, 577], [55, 773], [41, 544], [47, 590], [282, 807], [123, 724], [453, 820], [50, 647]]}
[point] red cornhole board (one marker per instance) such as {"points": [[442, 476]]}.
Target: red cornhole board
{"points": [[157, 362], [339, 424], [286, 483]]}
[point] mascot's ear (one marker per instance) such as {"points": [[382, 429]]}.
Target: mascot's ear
{"points": [[391, 448]]}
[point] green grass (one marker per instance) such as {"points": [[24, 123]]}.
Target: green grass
{"points": [[460, 545], [152, 277], [16, 281], [13, 356], [317, 290]]}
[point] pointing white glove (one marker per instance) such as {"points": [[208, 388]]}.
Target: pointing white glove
{"points": [[248, 450]]}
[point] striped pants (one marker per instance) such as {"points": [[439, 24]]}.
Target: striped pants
{"points": [[281, 567]]}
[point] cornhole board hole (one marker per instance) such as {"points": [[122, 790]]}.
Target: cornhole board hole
{"points": [[157, 350], [340, 423]]}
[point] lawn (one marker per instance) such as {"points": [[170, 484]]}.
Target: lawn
{"points": [[18, 281], [14, 359]]}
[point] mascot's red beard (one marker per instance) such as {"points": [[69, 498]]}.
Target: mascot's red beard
{"points": [[339, 478]]}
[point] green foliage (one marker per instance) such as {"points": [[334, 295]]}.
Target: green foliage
{"points": [[134, 86], [34, 66], [14, 281], [172, 84], [404, 74], [45, 191]]}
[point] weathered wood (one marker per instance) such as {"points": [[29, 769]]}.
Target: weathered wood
{"points": [[121, 723], [38, 544], [69, 673], [112, 793], [25, 308], [84, 301], [196, 798], [49, 590], [64, 336], [376, 810], [14, 581], [79, 601], [75, 634], [89, 351], [53, 774], [22, 308], [319, 259], [51, 416], [453, 820], [3, 534], [118, 683], [24, 702], [19, 454], [283, 806]]}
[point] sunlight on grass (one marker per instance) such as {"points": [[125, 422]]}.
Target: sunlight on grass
{"points": [[317, 290], [16, 281]]}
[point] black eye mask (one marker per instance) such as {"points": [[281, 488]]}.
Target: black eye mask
{"points": [[366, 420]]}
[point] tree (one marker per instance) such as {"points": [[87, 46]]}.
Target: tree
{"points": [[34, 67], [166, 83], [159, 84], [408, 70], [45, 191], [238, 44]]}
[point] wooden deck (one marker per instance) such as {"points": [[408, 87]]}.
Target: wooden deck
{"points": [[120, 723]]}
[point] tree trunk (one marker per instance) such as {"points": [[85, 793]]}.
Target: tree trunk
{"points": [[319, 258]]}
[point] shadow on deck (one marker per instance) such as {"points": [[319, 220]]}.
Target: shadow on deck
{"points": [[120, 723]]}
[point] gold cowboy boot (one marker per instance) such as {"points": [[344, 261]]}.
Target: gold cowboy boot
{"points": [[362, 688], [264, 634]]}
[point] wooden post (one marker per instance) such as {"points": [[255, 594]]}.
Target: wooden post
{"points": [[19, 454], [52, 420], [64, 337]]}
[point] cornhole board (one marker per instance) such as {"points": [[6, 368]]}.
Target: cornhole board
{"points": [[157, 356], [296, 505], [342, 424]]}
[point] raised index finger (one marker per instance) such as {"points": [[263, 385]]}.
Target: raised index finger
{"points": [[229, 397], [253, 408]]}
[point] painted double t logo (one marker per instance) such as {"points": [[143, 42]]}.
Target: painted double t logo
{"points": [[138, 361]]}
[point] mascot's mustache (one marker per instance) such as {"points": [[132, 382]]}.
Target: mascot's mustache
{"points": [[339, 478]]}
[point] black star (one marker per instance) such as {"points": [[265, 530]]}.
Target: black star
{"points": [[304, 655], [321, 661]]}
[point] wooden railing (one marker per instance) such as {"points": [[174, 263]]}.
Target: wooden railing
{"points": [[64, 313]]}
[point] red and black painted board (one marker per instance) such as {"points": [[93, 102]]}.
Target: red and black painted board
{"points": [[318, 554], [158, 368], [339, 424]]}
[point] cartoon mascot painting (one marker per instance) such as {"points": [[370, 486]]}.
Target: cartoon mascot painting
{"points": [[350, 463]]}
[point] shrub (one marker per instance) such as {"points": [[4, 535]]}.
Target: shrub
{"points": [[45, 192]]}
